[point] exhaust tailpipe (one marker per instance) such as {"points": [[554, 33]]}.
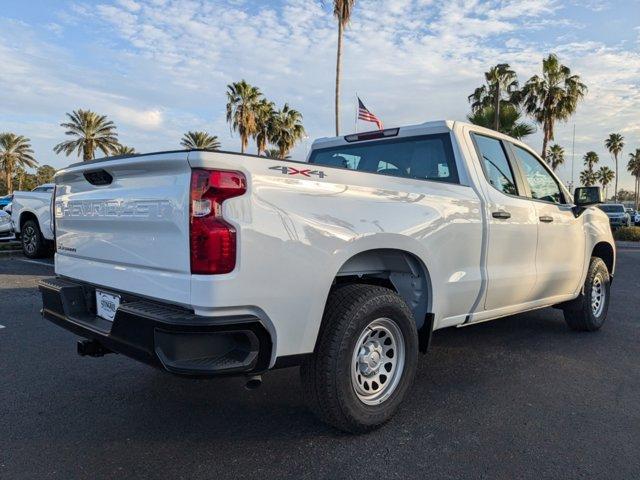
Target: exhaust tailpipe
{"points": [[253, 382]]}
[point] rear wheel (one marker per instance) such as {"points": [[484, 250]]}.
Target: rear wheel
{"points": [[365, 359], [34, 244], [589, 311]]}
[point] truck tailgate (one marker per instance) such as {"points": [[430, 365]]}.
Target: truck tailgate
{"points": [[124, 224]]}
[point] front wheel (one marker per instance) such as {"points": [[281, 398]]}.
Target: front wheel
{"points": [[365, 359], [589, 311]]}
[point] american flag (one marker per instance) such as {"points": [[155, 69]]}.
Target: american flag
{"points": [[367, 116]]}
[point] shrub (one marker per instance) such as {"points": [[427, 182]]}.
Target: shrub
{"points": [[627, 234]]}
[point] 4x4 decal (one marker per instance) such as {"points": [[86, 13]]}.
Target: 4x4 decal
{"points": [[305, 172]]}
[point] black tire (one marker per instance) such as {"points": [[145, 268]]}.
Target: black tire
{"points": [[327, 381], [34, 244], [589, 311]]}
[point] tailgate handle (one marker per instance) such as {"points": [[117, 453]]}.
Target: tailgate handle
{"points": [[98, 177]]}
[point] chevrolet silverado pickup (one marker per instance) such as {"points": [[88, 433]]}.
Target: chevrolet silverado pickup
{"points": [[214, 263], [31, 217]]}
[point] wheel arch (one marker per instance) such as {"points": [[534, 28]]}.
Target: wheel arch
{"points": [[606, 252], [25, 216], [399, 270]]}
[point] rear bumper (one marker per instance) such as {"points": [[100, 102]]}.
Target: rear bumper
{"points": [[165, 336]]}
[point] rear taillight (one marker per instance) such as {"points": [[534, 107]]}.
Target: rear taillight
{"points": [[213, 241]]}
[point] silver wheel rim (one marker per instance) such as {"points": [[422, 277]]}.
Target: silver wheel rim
{"points": [[29, 241], [597, 296], [378, 361]]}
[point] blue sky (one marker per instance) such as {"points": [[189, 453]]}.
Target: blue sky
{"points": [[159, 67]]}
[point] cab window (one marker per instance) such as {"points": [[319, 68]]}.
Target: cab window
{"points": [[428, 157], [542, 185], [495, 164]]}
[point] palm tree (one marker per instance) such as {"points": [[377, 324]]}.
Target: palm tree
{"points": [[15, 153], [501, 80], [342, 10], [633, 166], [615, 144], [242, 101], [552, 97], [200, 141], [265, 111], [287, 130], [275, 153], [123, 150], [590, 159], [92, 131], [555, 156], [605, 175], [588, 178], [44, 174], [510, 123]]}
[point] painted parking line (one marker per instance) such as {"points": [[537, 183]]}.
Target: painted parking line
{"points": [[2, 326], [39, 262]]}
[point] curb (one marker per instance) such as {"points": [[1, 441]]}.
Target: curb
{"points": [[9, 252], [630, 245]]}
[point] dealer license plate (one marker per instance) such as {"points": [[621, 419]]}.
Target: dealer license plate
{"points": [[107, 304]]}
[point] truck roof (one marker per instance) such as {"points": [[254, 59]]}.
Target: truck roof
{"points": [[437, 126]]}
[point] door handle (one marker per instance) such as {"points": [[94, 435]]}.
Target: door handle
{"points": [[501, 214], [546, 219]]}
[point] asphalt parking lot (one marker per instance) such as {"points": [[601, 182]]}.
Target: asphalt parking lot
{"points": [[521, 397]]}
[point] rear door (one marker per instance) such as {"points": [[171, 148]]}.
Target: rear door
{"points": [[561, 237], [512, 236]]}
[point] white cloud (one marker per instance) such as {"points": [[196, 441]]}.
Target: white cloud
{"points": [[144, 119], [130, 5]]}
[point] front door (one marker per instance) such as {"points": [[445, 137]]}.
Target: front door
{"points": [[512, 236], [561, 239]]}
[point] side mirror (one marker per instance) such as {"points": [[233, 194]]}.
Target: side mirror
{"points": [[585, 196]]}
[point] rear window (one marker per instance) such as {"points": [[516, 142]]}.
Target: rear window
{"points": [[612, 208], [427, 157]]}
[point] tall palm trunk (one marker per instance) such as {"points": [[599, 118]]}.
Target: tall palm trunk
{"points": [[545, 138], [87, 151], [497, 109], [9, 172], [615, 192], [338, 61]]}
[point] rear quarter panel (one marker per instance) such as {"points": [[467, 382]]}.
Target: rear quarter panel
{"points": [[295, 233]]}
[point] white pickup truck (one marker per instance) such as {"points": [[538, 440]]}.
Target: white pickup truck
{"points": [[214, 263], [31, 217]]}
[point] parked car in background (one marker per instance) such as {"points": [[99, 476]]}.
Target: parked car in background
{"points": [[213, 263], [632, 213], [31, 216], [618, 216], [636, 218], [4, 201], [6, 228]]}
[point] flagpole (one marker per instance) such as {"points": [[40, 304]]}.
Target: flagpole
{"points": [[573, 153], [356, 123]]}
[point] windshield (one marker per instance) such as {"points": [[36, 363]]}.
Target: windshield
{"points": [[427, 157], [612, 208]]}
